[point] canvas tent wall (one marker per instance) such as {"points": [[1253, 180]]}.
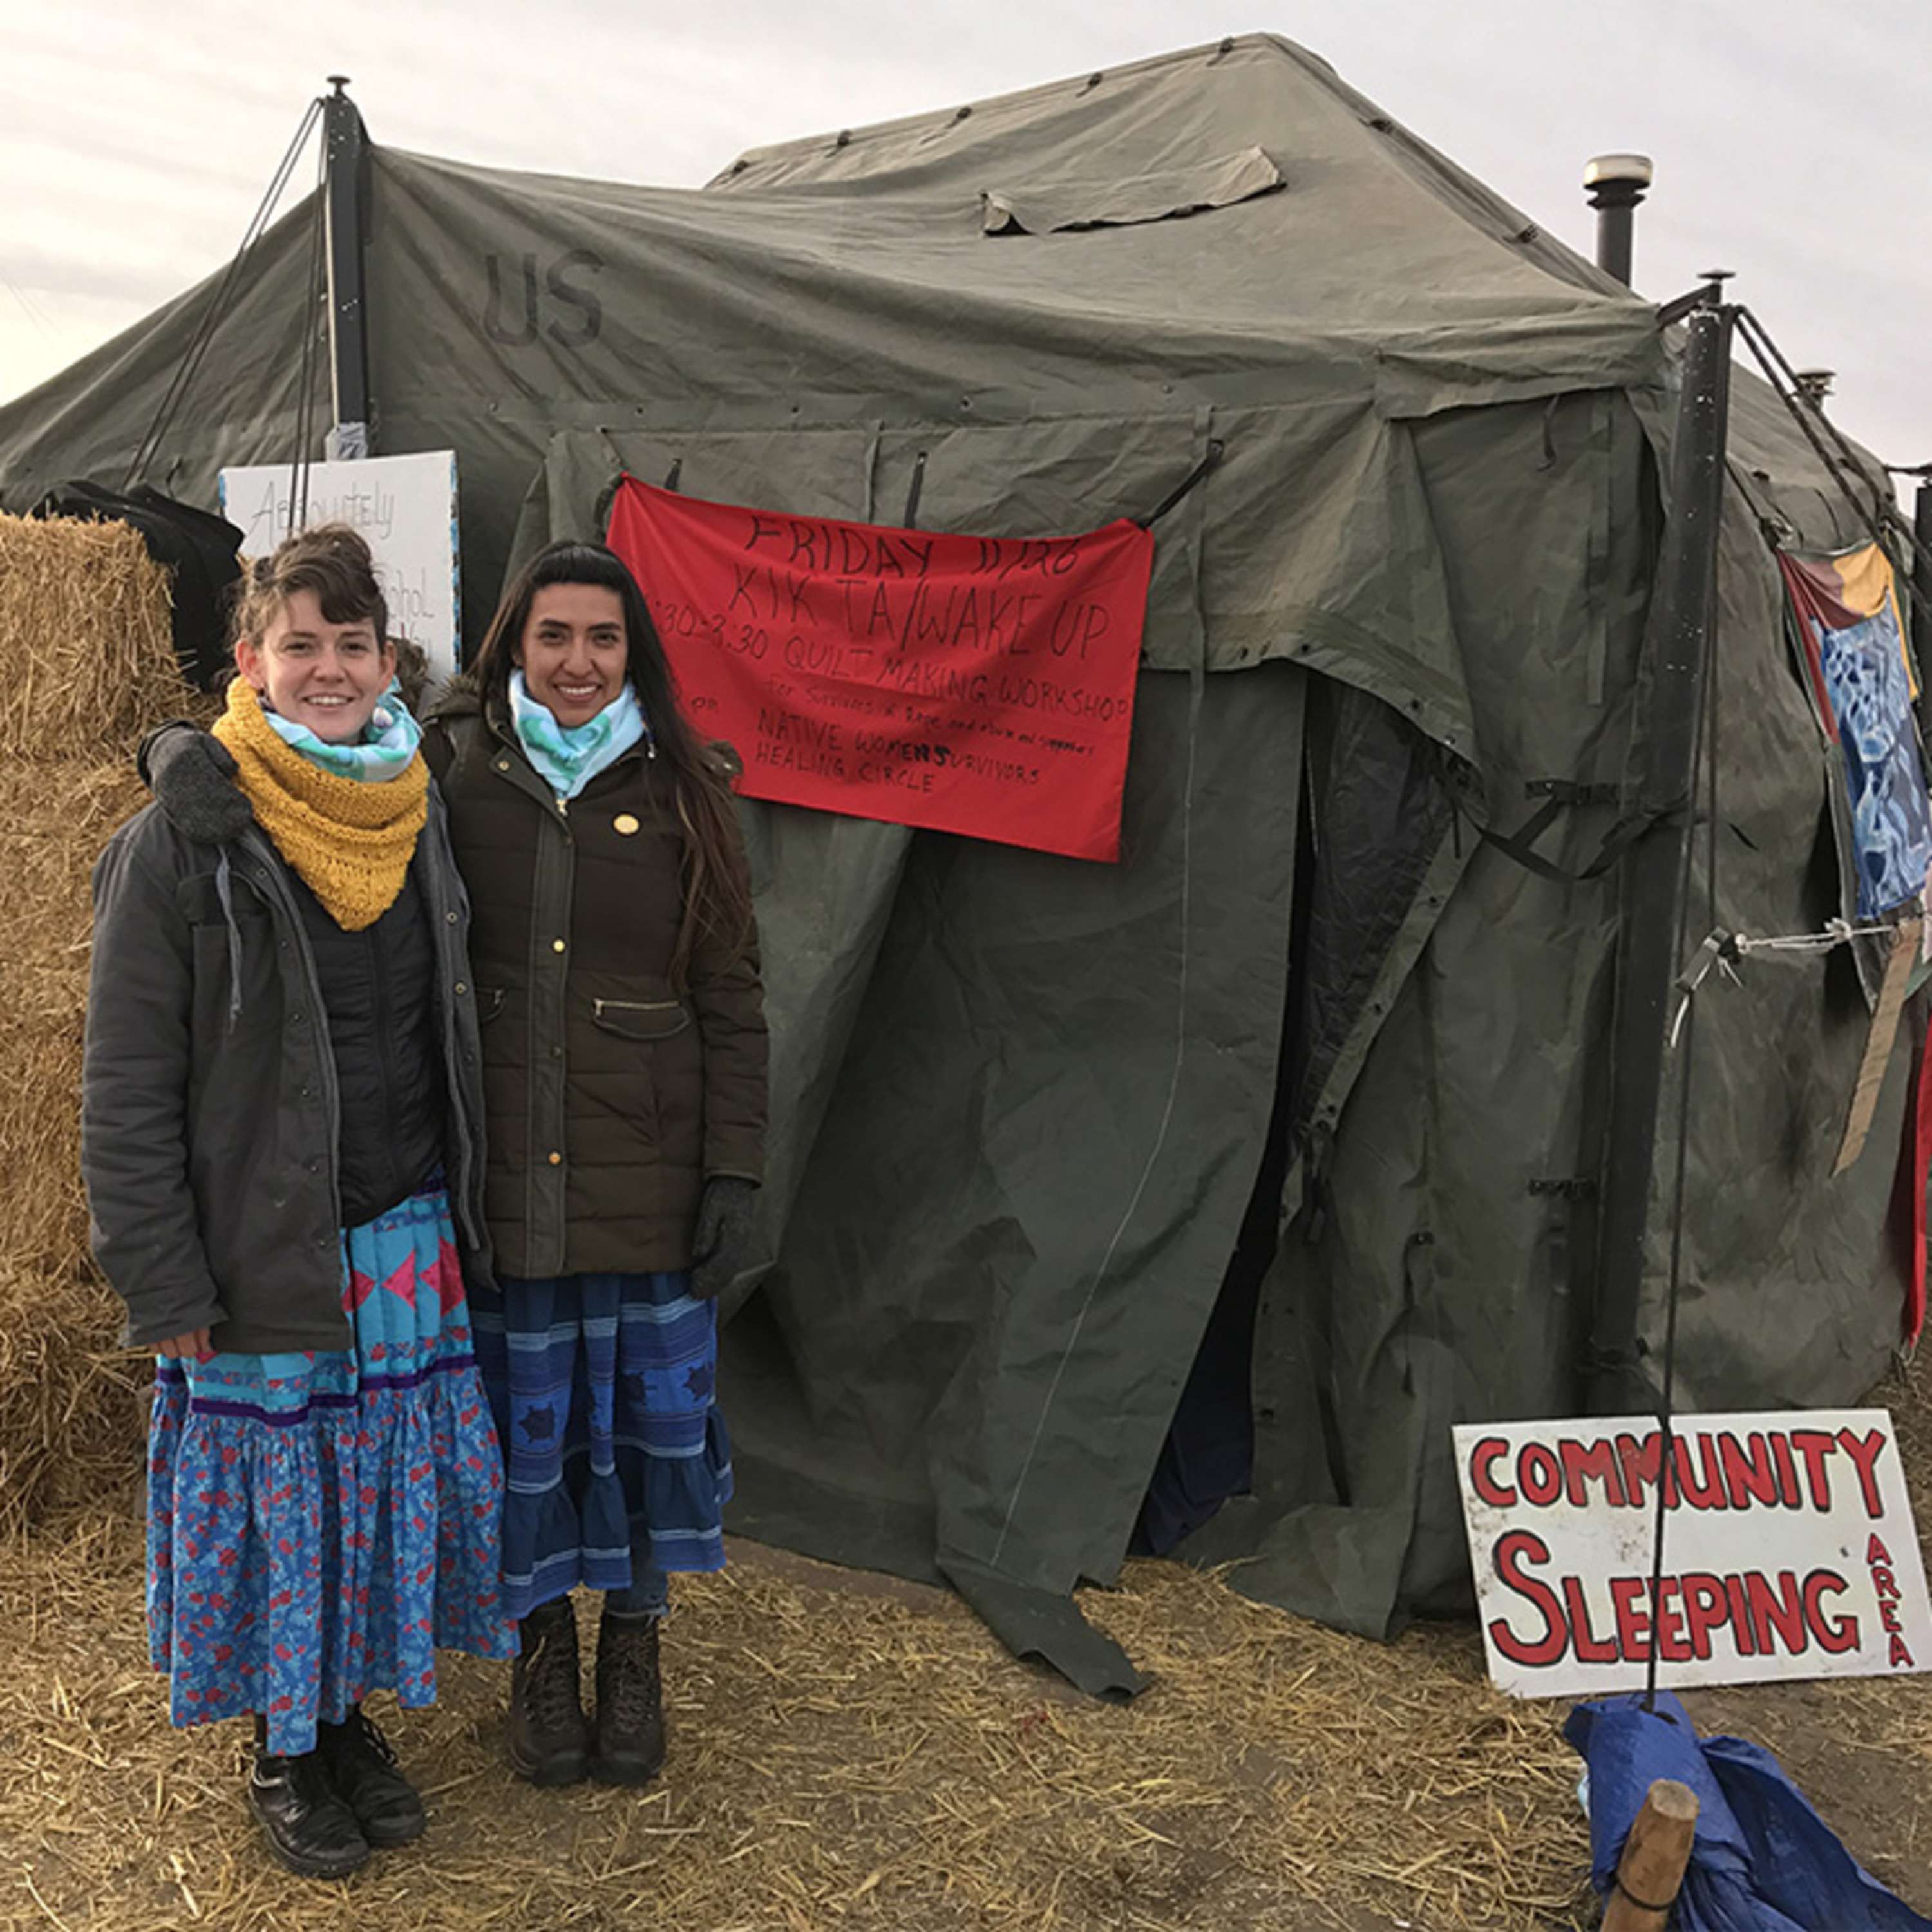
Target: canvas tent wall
{"points": [[1022, 1104]]}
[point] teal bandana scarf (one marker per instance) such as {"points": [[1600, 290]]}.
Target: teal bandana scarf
{"points": [[567, 757], [385, 750]]}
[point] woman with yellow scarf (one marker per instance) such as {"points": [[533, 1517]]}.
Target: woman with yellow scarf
{"points": [[282, 1118]]}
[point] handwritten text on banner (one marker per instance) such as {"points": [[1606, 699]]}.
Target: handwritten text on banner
{"points": [[976, 684]]}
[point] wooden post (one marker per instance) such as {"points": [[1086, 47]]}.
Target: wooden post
{"points": [[1651, 1868]]}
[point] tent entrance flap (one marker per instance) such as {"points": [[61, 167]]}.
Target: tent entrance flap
{"points": [[1209, 1454], [1374, 812]]}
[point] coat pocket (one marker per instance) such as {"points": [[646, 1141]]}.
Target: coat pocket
{"points": [[640, 1019], [489, 1003]]}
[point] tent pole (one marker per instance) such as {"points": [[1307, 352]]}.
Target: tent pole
{"points": [[1670, 709], [1922, 602], [346, 146]]}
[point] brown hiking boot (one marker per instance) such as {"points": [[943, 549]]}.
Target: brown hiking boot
{"points": [[630, 1747], [550, 1736]]}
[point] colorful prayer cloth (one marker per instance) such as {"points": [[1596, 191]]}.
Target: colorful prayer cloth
{"points": [[320, 1524], [619, 1464], [1850, 637]]}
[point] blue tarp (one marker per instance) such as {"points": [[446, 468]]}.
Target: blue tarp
{"points": [[1764, 1861]]}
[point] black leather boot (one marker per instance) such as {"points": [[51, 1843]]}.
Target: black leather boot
{"points": [[309, 1827], [630, 1747], [364, 1770], [550, 1736]]}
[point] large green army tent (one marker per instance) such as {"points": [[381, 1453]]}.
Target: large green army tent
{"points": [[1275, 1142]]}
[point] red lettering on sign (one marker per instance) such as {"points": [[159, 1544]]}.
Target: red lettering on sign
{"points": [[1864, 1450], [1780, 1615], [1816, 1446], [1742, 1634], [1482, 1458], [1788, 1491], [1640, 1460], [1888, 1615], [1709, 1493], [1706, 1610], [1884, 1582], [1836, 1635], [979, 685], [1514, 1550], [1585, 1464], [1585, 1644], [1900, 1655], [1875, 1551], [1671, 1645], [1630, 1597], [1749, 1474], [1540, 1475]]}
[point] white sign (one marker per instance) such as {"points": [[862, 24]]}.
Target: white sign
{"points": [[1789, 1551], [405, 508]]}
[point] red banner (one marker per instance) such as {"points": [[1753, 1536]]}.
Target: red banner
{"points": [[977, 685]]}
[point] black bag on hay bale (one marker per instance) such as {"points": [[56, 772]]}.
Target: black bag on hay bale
{"points": [[199, 550]]}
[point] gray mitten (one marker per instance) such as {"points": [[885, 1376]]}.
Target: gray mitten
{"points": [[192, 774], [724, 1228]]}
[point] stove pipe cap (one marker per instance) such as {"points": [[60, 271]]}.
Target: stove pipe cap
{"points": [[1620, 171]]}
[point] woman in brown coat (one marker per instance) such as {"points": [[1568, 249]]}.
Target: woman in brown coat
{"points": [[616, 983]]}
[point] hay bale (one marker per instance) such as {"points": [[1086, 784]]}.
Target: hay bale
{"points": [[87, 665], [67, 1415], [87, 660]]}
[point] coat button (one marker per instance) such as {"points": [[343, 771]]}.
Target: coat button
{"points": [[556, 1159], [556, 946], [449, 919], [461, 988], [625, 822], [503, 764]]}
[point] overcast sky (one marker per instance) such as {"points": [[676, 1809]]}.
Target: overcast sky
{"points": [[1791, 137]]}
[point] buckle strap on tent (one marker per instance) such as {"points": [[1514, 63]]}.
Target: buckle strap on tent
{"points": [[1557, 794], [1569, 1187], [1189, 482]]}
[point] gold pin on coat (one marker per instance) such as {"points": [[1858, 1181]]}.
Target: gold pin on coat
{"points": [[625, 822]]}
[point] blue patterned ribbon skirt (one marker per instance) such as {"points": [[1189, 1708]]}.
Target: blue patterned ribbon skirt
{"points": [[319, 1524], [602, 1386]]}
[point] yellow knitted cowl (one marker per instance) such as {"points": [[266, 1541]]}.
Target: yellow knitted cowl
{"points": [[351, 843]]}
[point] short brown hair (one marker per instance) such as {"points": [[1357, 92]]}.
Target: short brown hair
{"points": [[333, 561]]}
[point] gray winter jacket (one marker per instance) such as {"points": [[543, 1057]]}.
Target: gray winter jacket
{"points": [[209, 1113]]}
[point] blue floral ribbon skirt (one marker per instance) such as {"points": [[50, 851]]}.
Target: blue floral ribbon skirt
{"points": [[619, 1466], [320, 1524]]}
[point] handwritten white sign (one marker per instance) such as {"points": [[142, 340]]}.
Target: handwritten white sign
{"points": [[405, 508], [1788, 1550]]}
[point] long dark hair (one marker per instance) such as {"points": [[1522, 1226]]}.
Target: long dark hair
{"points": [[717, 892]]}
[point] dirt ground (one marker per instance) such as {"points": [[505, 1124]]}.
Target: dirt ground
{"points": [[847, 1750]]}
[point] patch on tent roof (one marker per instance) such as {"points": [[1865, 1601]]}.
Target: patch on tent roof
{"points": [[1049, 207]]}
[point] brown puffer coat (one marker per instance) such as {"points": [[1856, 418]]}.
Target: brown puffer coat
{"points": [[610, 1095]]}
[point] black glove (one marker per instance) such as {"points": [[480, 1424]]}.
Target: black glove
{"points": [[723, 1227], [192, 774]]}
